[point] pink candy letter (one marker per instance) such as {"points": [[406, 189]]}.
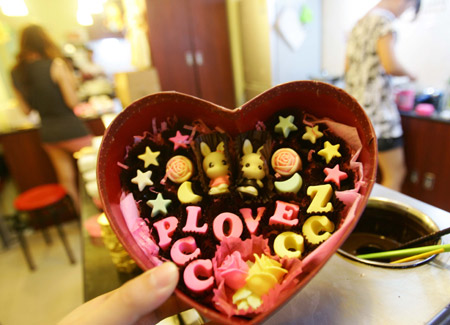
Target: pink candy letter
{"points": [[285, 214], [234, 223], [184, 250], [193, 213], [165, 228], [192, 272], [252, 223]]}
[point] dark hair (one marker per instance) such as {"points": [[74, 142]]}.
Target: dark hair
{"points": [[33, 40]]}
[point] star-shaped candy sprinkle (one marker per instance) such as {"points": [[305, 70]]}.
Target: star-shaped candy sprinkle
{"points": [[149, 157], [159, 205], [329, 151], [312, 134], [179, 140], [335, 175], [286, 125], [142, 179]]}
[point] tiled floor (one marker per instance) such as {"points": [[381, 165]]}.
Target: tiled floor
{"points": [[51, 291], [55, 288]]}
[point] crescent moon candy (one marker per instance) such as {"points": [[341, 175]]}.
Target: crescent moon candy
{"points": [[186, 195]]}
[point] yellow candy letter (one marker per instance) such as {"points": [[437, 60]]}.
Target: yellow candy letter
{"points": [[315, 225], [289, 244], [320, 195]]}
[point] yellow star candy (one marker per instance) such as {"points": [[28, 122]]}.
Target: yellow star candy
{"points": [[149, 157], [329, 151], [312, 134], [286, 125], [142, 179]]}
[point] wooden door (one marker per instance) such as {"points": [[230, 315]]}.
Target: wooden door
{"points": [[212, 51], [190, 48], [171, 45]]}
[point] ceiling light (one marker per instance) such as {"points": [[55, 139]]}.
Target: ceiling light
{"points": [[14, 8], [84, 18]]}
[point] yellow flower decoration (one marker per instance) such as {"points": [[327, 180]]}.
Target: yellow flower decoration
{"points": [[263, 275]]}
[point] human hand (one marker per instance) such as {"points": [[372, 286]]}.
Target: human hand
{"points": [[132, 303]]}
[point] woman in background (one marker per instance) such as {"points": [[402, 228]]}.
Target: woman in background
{"points": [[43, 81], [370, 63]]}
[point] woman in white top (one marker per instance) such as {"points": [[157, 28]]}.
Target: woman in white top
{"points": [[370, 63]]}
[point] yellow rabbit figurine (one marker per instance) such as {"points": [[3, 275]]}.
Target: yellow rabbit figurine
{"points": [[216, 168], [252, 168]]}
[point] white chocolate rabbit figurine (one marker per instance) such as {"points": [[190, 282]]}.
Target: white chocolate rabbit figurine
{"points": [[252, 167], [216, 168]]}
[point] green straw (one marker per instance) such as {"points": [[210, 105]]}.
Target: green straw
{"points": [[404, 252]]}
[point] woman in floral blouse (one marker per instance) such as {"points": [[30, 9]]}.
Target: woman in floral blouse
{"points": [[370, 63]]}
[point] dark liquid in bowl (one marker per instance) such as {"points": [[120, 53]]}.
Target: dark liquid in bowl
{"points": [[383, 228]]}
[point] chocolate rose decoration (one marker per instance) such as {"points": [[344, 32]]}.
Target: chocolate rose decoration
{"points": [[179, 169], [286, 162]]}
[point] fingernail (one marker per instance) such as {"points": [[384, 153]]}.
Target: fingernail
{"points": [[164, 275]]}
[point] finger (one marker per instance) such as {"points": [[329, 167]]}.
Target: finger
{"points": [[85, 309], [138, 297], [170, 307]]}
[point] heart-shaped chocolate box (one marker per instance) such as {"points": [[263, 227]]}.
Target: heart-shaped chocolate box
{"points": [[318, 99]]}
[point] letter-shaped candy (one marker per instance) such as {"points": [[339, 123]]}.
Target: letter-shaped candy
{"points": [[320, 195], [193, 214], [234, 223], [165, 227], [315, 225], [184, 250], [196, 269], [285, 214], [252, 224], [289, 244]]}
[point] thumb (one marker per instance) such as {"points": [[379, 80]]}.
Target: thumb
{"points": [[140, 296]]}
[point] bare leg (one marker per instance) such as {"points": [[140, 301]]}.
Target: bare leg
{"points": [[61, 156], [393, 168], [64, 166]]}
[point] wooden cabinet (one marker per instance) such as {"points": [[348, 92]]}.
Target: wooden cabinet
{"points": [[190, 48], [28, 164], [427, 144]]}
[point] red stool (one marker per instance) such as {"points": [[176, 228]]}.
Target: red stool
{"points": [[45, 205]]}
